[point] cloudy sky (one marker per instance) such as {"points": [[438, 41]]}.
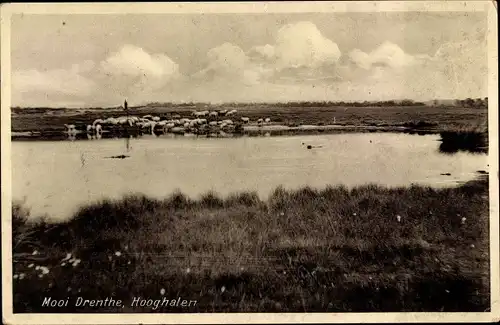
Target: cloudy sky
{"points": [[98, 60]]}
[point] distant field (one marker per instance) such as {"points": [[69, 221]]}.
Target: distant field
{"points": [[370, 248], [439, 117]]}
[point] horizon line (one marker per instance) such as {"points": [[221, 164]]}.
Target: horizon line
{"points": [[180, 103]]}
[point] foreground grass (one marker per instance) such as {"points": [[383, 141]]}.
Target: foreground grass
{"points": [[370, 248]]}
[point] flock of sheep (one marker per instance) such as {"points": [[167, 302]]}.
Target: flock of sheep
{"points": [[200, 122]]}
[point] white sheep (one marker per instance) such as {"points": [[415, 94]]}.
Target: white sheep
{"points": [[71, 128], [177, 130], [245, 119], [267, 120], [148, 124], [122, 120], [152, 124], [111, 120], [98, 121], [198, 114]]}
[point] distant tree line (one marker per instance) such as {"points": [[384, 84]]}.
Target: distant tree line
{"points": [[472, 103], [405, 102], [468, 102], [40, 110]]}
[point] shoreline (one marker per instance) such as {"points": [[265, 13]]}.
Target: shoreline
{"points": [[471, 139]]}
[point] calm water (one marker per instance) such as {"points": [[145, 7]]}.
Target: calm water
{"points": [[56, 177]]}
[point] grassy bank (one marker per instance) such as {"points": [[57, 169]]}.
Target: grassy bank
{"points": [[461, 128], [414, 117], [464, 139], [369, 248]]}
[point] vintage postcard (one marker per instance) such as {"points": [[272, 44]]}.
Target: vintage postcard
{"points": [[251, 162]]}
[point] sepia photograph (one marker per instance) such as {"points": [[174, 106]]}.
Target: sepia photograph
{"points": [[250, 162]]}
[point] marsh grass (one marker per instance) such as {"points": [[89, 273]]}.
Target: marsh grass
{"points": [[332, 249], [417, 117], [470, 139], [461, 128]]}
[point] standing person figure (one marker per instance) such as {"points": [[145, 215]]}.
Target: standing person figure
{"points": [[128, 136]]}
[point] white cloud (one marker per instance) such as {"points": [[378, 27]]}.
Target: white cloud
{"points": [[229, 63], [360, 58], [266, 52], [456, 70], [227, 57], [387, 54], [68, 82], [132, 72], [302, 44], [39, 88], [300, 52], [301, 64], [134, 61]]}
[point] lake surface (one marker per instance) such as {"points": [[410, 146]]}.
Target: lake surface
{"points": [[56, 177]]}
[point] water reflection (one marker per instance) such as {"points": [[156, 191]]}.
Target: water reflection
{"points": [[127, 143], [413, 132], [448, 148], [81, 171], [450, 142], [472, 142]]}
